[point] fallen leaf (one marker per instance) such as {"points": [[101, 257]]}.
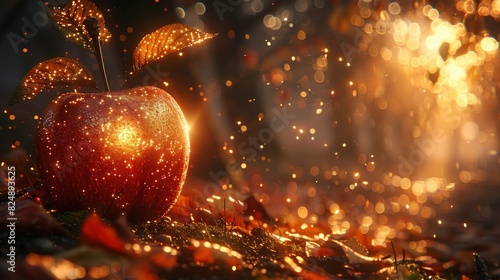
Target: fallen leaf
{"points": [[481, 269], [239, 206], [70, 17], [95, 232], [31, 217], [213, 253], [257, 211], [183, 208]]}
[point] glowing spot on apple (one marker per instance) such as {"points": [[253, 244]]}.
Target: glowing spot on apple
{"points": [[127, 137]]}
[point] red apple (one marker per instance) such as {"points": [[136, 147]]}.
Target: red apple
{"points": [[114, 153]]}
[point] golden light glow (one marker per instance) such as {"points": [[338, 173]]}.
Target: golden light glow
{"points": [[489, 45], [127, 137]]}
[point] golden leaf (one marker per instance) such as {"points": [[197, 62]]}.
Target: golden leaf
{"points": [[168, 39], [59, 71], [69, 19]]}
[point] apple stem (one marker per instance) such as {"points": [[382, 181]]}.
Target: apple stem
{"points": [[92, 27]]}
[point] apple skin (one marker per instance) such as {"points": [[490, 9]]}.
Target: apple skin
{"points": [[113, 153]]}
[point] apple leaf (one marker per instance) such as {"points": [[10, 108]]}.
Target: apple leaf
{"points": [[168, 39], [69, 19], [59, 71], [355, 252]]}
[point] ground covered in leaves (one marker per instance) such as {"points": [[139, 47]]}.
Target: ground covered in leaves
{"points": [[202, 245]]}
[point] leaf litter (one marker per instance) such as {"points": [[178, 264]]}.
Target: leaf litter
{"points": [[79, 245]]}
